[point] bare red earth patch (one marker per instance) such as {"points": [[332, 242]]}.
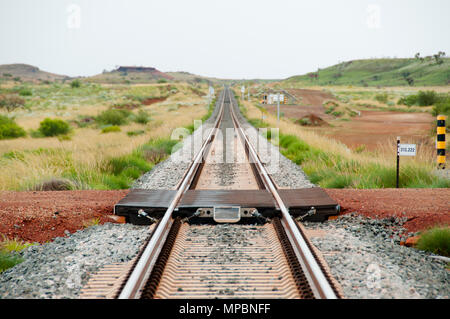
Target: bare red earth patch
{"points": [[153, 100], [424, 208], [42, 216]]}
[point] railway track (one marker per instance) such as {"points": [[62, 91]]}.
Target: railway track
{"points": [[186, 257]]}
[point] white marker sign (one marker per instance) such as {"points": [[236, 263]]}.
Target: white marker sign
{"points": [[407, 149], [243, 89]]}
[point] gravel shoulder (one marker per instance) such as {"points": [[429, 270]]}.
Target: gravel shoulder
{"points": [[364, 255], [61, 268]]}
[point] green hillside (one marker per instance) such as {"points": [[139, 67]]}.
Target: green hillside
{"points": [[379, 72]]}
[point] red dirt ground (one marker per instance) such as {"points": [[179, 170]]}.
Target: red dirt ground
{"points": [[424, 208], [151, 101], [31, 216], [375, 127], [371, 129], [311, 97]]}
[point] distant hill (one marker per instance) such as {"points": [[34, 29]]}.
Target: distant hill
{"points": [[193, 78], [27, 72], [379, 72], [130, 74]]}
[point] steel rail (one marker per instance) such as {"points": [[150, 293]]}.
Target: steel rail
{"points": [[317, 280], [143, 268]]}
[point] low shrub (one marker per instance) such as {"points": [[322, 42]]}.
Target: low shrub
{"points": [[443, 108], [382, 98], [427, 98], [11, 102], [110, 129], [9, 128], [436, 240], [25, 92], [113, 117], [135, 133], [75, 84], [423, 98], [142, 117], [53, 127], [54, 184]]}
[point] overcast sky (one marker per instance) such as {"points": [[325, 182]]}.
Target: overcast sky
{"points": [[227, 38]]}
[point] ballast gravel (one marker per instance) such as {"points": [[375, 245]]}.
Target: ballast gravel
{"points": [[61, 268], [366, 258]]}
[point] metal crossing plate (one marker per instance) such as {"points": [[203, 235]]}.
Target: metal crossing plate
{"points": [[227, 214], [155, 202]]}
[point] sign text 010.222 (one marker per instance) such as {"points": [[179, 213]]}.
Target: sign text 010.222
{"points": [[407, 149]]}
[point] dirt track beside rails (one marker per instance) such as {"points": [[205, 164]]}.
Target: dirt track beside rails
{"points": [[31, 216]]}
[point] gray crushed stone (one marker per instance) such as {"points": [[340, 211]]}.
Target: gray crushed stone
{"points": [[365, 257], [60, 269]]}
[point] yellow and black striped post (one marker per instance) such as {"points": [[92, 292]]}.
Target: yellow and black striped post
{"points": [[440, 143]]}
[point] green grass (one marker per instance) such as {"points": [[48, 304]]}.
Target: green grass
{"points": [[435, 240], [379, 72], [9, 250], [8, 260], [330, 170]]}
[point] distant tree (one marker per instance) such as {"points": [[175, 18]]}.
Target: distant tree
{"points": [[438, 57], [75, 84], [410, 80]]}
